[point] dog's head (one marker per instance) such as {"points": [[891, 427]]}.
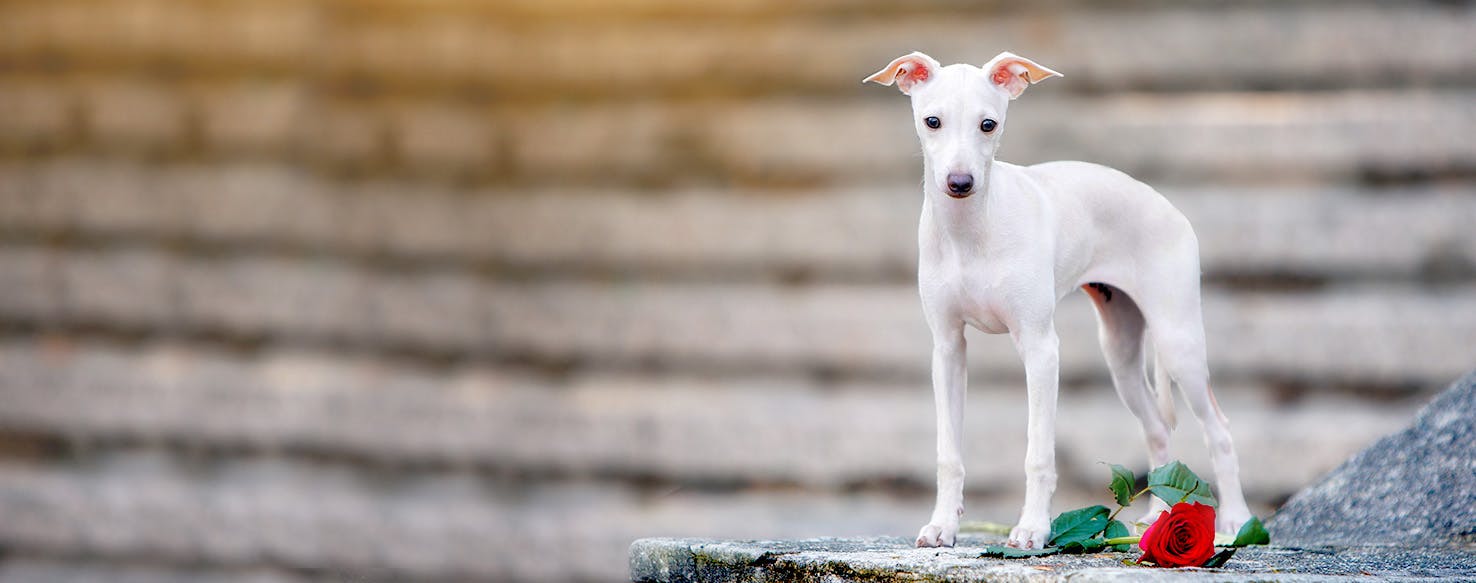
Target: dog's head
{"points": [[959, 112]]}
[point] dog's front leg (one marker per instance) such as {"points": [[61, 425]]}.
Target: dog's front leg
{"points": [[950, 379], [1039, 349]]}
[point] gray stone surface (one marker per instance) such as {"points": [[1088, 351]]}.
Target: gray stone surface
{"points": [[1105, 47], [1415, 487], [864, 232], [50, 570], [784, 430], [230, 515], [1101, 45], [751, 326], [894, 559], [1402, 510]]}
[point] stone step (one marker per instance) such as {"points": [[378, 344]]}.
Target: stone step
{"points": [[1183, 137], [320, 518], [645, 47], [1364, 336], [674, 429], [1300, 137], [541, 11], [272, 34], [862, 560], [1097, 48], [89, 570], [863, 234]]}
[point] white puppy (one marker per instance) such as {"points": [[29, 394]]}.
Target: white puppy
{"points": [[999, 245]]}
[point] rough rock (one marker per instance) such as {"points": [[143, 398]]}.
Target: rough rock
{"points": [[895, 559], [1415, 487]]}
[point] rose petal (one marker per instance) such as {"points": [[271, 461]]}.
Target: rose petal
{"points": [[1183, 536]]}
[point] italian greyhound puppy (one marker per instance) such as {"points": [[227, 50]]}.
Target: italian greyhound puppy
{"points": [[999, 245]]}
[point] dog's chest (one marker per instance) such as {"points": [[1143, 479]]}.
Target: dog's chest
{"points": [[966, 291], [984, 317]]}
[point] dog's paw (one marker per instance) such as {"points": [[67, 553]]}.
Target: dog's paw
{"points": [[1229, 520], [937, 535], [1156, 509], [1030, 534]]}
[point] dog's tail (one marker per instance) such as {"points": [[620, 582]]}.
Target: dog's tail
{"points": [[1163, 388]]}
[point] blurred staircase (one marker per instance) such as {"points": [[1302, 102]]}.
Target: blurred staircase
{"points": [[453, 290]]}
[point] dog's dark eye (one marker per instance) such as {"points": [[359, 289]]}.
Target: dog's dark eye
{"points": [[988, 125], [933, 122]]}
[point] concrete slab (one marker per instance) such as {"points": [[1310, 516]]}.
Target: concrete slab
{"points": [[888, 559]]}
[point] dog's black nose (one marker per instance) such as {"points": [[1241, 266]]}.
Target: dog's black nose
{"points": [[960, 183]]}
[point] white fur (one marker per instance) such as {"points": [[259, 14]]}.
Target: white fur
{"points": [[1001, 257]]}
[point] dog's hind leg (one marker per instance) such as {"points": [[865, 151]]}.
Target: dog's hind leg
{"points": [[1178, 333], [1121, 330]]}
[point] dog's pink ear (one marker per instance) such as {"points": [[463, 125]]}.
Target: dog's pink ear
{"points": [[907, 71], [1014, 73]]}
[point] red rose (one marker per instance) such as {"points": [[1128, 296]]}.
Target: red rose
{"points": [[1182, 537]]}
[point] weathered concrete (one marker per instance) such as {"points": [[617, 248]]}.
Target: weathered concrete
{"points": [[1415, 487], [894, 559], [1403, 510]]}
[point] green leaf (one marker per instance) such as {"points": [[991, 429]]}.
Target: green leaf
{"points": [[1252, 533], [1078, 525], [1122, 485], [1002, 552], [1082, 547], [1117, 529], [1219, 559], [1174, 483]]}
